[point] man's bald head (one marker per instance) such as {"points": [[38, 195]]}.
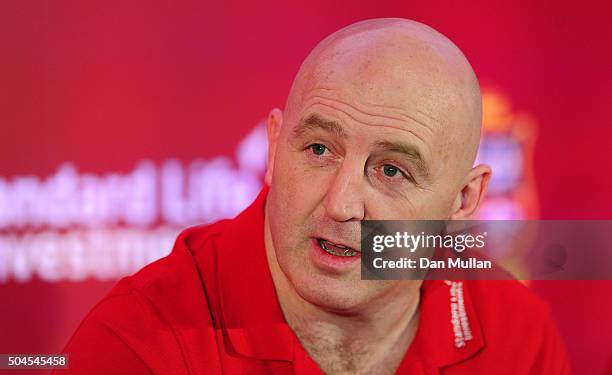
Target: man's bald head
{"points": [[404, 65]]}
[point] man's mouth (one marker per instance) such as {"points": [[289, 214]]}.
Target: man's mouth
{"points": [[336, 249]]}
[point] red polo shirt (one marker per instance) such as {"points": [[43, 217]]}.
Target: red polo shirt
{"points": [[210, 307]]}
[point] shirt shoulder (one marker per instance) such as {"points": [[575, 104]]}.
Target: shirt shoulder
{"points": [[505, 300], [149, 321], [518, 327]]}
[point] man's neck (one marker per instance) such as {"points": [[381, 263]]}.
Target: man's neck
{"points": [[372, 339]]}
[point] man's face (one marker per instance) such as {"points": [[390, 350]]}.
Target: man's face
{"points": [[356, 147], [338, 164]]}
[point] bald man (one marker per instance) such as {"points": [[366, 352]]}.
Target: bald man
{"points": [[382, 122]]}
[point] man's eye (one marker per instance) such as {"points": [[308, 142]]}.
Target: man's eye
{"points": [[318, 149], [390, 170]]}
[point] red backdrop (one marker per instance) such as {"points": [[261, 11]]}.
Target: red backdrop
{"points": [[105, 84]]}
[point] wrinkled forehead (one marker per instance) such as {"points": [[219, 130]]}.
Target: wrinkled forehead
{"points": [[395, 70]]}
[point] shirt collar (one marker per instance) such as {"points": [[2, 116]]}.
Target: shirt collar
{"points": [[254, 323]]}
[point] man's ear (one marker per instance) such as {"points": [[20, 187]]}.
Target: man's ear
{"points": [[274, 123], [474, 188]]}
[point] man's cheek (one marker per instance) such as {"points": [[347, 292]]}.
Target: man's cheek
{"points": [[302, 184]]}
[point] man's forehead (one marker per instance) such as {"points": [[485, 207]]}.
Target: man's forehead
{"points": [[382, 80], [373, 104]]}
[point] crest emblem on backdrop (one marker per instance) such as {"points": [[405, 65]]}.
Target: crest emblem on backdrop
{"points": [[508, 145]]}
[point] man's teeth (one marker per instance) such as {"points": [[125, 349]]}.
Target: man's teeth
{"points": [[337, 250]]}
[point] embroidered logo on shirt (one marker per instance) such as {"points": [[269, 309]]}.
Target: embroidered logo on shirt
{"points": [[459, 318]]}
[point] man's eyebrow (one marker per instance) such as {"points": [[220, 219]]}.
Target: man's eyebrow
{"points": [[315, 122], [411, 153]]}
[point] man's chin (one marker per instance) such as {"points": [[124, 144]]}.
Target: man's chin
{"points": [[333, 293]]}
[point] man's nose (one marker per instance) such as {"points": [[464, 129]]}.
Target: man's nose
{"points": [[344, 200]]}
